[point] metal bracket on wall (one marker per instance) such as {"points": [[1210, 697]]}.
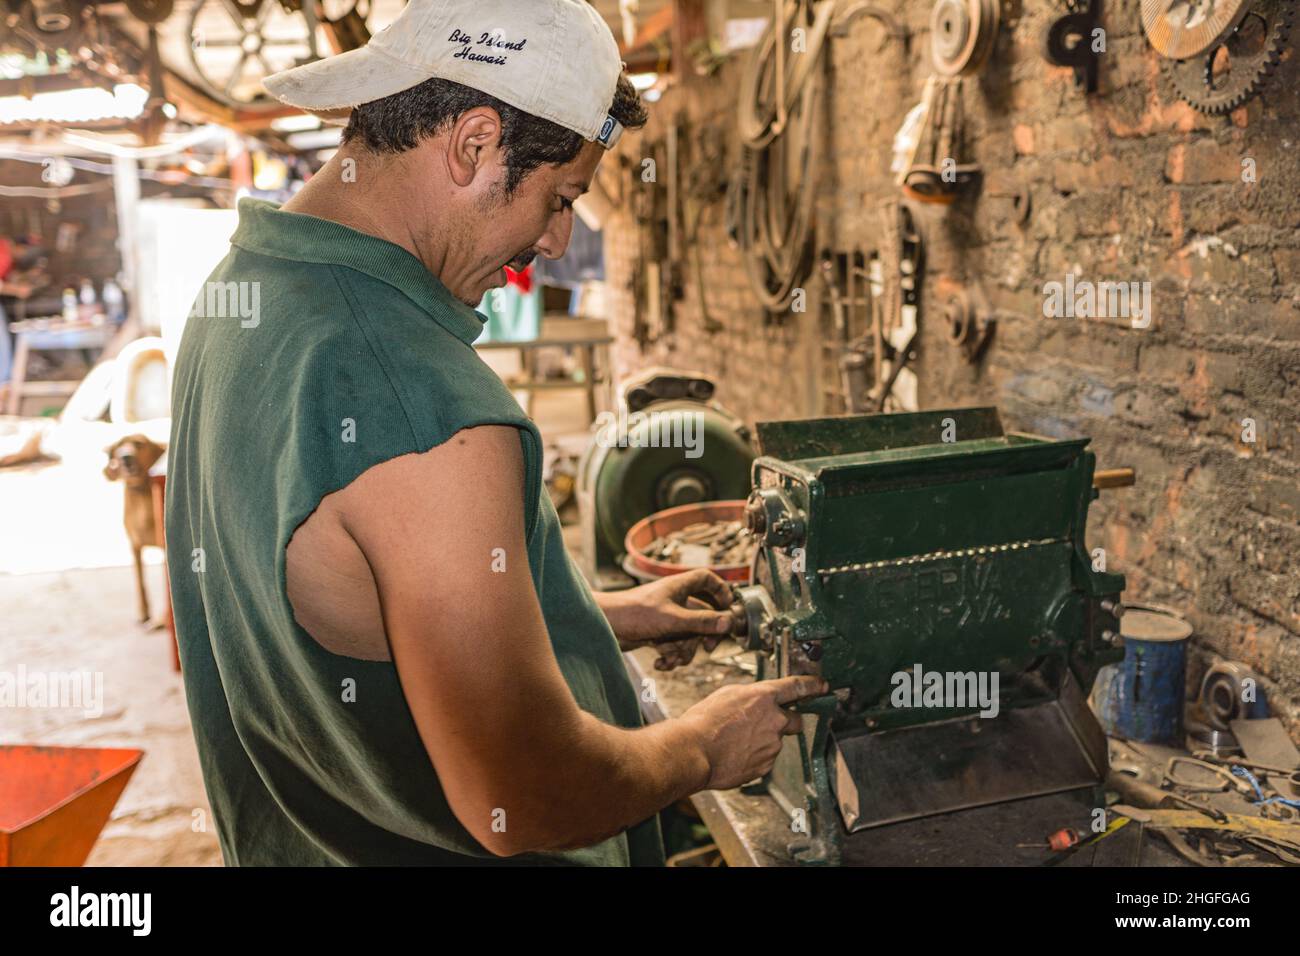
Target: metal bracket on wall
{"points": [[894, 30], [1068, 41]]}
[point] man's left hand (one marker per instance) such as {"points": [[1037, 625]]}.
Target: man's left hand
{"points": [[676, 614]]}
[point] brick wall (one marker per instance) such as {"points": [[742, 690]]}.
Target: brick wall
{"points": [[1128, 184]]}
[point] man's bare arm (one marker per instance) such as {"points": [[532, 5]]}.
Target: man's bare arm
{"points": [[477, 668], [472, 652]]}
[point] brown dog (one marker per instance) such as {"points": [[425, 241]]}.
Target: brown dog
{"points": [[129, 460]]}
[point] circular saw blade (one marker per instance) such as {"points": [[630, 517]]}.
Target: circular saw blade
{"points": [[1179, 29]]}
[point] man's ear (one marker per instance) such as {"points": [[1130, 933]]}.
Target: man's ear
{"points": [[473, 145]]}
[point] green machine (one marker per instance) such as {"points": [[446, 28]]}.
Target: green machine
{"points": [[932, 569], [667, 444]]}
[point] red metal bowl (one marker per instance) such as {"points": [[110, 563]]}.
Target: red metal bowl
{"points": [[674, 519]]}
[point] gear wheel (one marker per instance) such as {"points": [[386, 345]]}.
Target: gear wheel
{"points": [[1236, 68]]}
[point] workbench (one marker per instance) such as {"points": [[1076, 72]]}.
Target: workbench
{"points": [[750, 829], [589, 337], [53, 334]]}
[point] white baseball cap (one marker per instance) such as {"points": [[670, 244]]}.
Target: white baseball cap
{"points": [[555, 59]]}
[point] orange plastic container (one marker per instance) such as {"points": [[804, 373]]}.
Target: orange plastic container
{"points": [[55, 800], [660, 523]]}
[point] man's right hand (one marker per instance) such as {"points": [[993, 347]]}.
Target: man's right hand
{"points": [[740, 726], [467, 636], [502, 729]]}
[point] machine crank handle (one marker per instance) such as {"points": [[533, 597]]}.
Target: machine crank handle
{"points": [[1114, 478]]}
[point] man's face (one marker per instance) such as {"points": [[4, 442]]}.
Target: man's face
{"points": [[537, 219]]}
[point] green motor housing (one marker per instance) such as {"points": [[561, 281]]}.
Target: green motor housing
{"points": [[668, 444]]}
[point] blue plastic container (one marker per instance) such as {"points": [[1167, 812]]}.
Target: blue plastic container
{"points": [[1142, 698]]}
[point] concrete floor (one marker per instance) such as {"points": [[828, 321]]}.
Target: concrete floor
{"points": [[82, 620], [67, 591], [67, 594]]}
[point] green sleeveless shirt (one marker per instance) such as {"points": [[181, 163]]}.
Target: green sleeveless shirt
{"points": [[313, 353]]}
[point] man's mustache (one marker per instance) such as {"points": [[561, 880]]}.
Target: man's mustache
{"points": [[522, 261]]}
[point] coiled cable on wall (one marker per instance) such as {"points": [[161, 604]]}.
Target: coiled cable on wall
{"points": [[771, 197]]}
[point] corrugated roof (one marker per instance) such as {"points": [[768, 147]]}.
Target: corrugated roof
{"points": [[75, 106]]}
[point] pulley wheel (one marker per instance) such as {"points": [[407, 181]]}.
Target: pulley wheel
{"points": [[960, 314], [962, 35]]}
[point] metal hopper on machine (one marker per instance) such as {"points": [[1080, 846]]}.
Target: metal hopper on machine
{"points": [[918, 544]]}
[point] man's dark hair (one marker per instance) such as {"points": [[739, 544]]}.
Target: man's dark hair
{"points": [[398, 123]]}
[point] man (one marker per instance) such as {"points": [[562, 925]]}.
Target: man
{"points": [[389, 657]]}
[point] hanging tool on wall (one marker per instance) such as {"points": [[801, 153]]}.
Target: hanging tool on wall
{"points": [[963, 34], [932, 173], [703, 183], [852, 283], [970, 329], [894, 30], [1224, 52], [897, 335], [672, 266], [874, 305], [652, 284], [1068, 41], [669, 210], [773, 188]]}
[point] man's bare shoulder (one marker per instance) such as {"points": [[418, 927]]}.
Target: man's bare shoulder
{"points": [[487, 457], [425, 508]]}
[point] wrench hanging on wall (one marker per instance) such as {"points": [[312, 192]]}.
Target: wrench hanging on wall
{"points": [[899, 332]]}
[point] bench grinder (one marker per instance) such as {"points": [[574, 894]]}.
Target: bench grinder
{"points": [[926, 542], [630, 469]]}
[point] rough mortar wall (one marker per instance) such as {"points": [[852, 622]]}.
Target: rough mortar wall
{"points": [[1129, 184]]}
